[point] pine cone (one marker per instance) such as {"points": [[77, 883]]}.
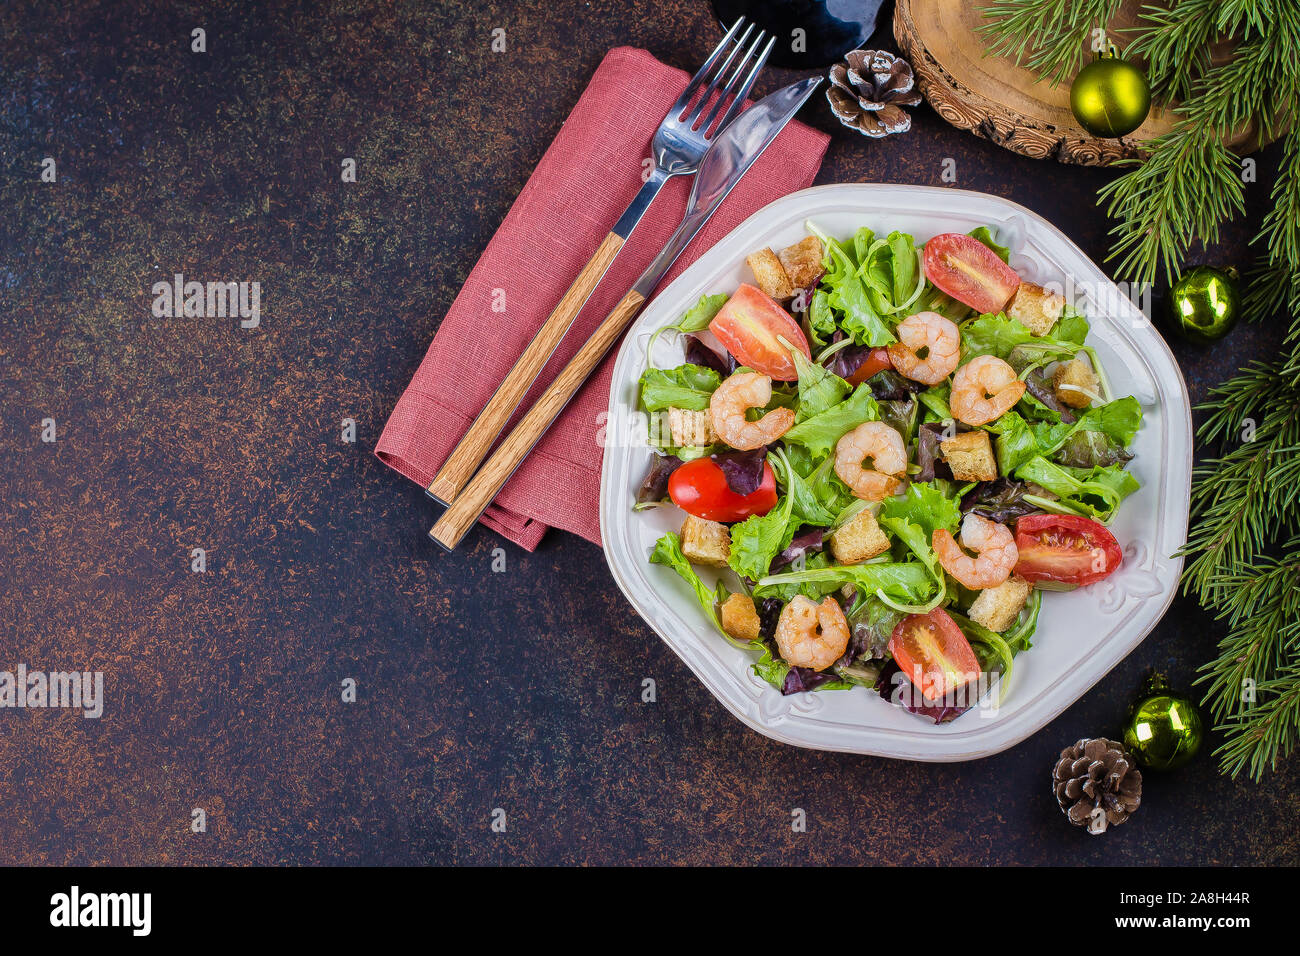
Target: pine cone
{"points": [[869, 90], [1097, 773]]}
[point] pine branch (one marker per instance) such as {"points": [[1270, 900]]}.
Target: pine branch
{"points": [[1046, 36], [1262, 610], [1175, 45], [1280, 234], [1190, 185], [1257, 740]]}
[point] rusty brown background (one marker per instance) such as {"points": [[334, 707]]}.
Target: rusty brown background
{"points": [[518, 690]]}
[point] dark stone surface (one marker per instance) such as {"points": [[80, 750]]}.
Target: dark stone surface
{"points": [[517, 690]]}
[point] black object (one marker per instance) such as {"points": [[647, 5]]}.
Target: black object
{"points": [[830, 28]]}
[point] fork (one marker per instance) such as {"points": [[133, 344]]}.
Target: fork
{"points": [[677, 148]]}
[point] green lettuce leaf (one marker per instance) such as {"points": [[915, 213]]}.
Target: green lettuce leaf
{"points": [[905, 269], [1019, 441], [1093, 493], [848, 294], [668, 552], [686, 386], [1000, 335], [985, 235], [907, 581], [820, 433], [696, 319], [808, 507], [1071, 327], [926, 505], [813, 590], [760, 538], [819, 387]]}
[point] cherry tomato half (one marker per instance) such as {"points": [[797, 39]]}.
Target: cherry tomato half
{"points": [[1065, 548], [748, 325], [934, 654], [970, 272], [877, 361], [700, 488]]}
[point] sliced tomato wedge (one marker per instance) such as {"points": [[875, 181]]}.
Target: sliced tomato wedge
{"points": [[877, 361], [1065, 548], [970, 272], [749, 325], [934, 654], [700, 488]]}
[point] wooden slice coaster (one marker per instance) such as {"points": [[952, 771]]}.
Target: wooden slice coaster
{"points": [[994, 98]]}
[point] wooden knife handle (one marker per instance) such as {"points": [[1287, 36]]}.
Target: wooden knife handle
{"points": [[478, 494], [473, 447]]}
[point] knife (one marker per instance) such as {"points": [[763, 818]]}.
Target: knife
{"points": [[729, 157]]}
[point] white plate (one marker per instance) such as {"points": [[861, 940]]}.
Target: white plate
{"points": [[1081, 635]]}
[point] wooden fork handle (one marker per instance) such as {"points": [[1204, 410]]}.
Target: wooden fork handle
{"points": [[473, 447], [478, 494]]}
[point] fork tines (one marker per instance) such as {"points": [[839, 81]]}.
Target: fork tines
{"points": [[715, 68]]}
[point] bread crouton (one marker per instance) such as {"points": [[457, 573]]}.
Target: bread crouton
{"points": [[1075, 383], [769, 274], [690, 429], [1035, 308], [803, 262], [859, 540], [997, 608], [705, 542], [970, 456], [740, 617]]}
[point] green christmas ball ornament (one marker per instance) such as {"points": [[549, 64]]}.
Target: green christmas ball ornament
{"points": [[1205, 304], [1164, 728], [1110, 97]]}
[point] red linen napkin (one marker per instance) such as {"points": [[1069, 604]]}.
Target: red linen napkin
{"points": [[583, 183]]}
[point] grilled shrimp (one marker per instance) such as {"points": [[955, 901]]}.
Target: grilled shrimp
{"points": [[983, 389], [884, 446], [733, 398], [812, 635], [928, 348], [993, 544]]}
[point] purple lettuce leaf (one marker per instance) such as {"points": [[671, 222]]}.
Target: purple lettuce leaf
{"points": [[769, 613], [928, 453], [888, 386], [655, 485], [1039, 385], [742, 469], [699, 352], [799, 679], [999, 500], [848, 360], [911, 699], [806, 542]]}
